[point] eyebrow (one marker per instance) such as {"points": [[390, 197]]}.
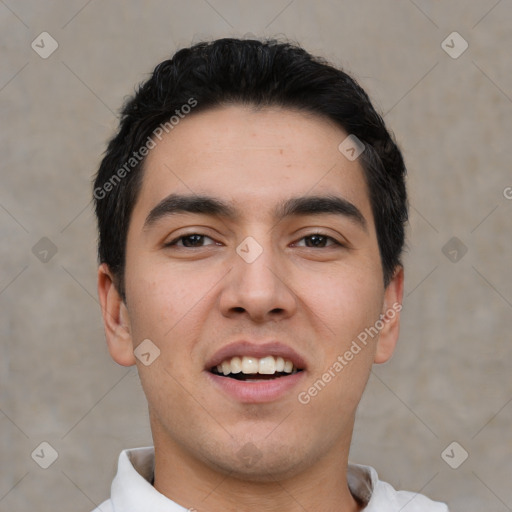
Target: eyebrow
{"points": [[175, 204], [321, 205], [296, 206]]}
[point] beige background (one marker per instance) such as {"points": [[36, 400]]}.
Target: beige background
{"points": [[450, 379]]}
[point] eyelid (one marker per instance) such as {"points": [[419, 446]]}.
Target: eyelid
{"points": [[336, 237], [316, 232], [334, 241], [175, 239]]}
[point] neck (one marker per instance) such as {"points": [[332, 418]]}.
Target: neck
{"points": [[203, 488]]}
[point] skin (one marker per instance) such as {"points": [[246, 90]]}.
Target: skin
{"points": [[191, 301]]}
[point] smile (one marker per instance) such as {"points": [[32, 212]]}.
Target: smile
{"points": [[251, 369], [253, 372]]}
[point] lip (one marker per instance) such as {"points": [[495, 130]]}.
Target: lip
{"points": [[259, 391], [257, 350]]}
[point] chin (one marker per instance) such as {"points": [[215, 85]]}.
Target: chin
{"points": [[260, 464]]}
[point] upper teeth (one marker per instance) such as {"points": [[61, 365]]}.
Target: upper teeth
{"points": [[266, 365]]}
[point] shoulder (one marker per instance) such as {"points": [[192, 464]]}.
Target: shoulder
{"points": [[106, 506], [386, 496], [380, 496]]}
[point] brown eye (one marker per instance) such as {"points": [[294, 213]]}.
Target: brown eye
{"points": [[318, 241], [192, 240]]}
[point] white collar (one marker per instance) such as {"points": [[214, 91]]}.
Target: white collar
{"points": [[132, 490]]}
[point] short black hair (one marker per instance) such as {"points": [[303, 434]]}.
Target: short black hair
{"points": [[248, 72]]}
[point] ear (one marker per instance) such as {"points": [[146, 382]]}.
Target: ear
{"points": [[390, 317], [115, 319]]}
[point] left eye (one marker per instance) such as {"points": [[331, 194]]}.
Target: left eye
{"points": [[317, 240], [192, 240]]}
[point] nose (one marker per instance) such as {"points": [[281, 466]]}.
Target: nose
{"points": [[258, 288]]}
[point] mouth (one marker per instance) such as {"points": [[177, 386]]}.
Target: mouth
{"points": [[256, 373], [253, 369]]}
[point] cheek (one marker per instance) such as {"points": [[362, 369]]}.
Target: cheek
{"points": [[168, 305], [157, 301], [164, 308], [343, 308], [345, 303]]}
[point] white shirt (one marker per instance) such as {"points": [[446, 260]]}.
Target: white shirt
{"points": [[133, 492]]}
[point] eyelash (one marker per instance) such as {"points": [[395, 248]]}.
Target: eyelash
{"points": [[174, 242], [323, 235]]}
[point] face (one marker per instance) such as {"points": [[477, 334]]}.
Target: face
{"points": [[252, 248]]}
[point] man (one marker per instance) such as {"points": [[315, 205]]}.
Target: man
{"points": [[251, 212]]}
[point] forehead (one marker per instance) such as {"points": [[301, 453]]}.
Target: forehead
{"points": [[252, 158]]}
